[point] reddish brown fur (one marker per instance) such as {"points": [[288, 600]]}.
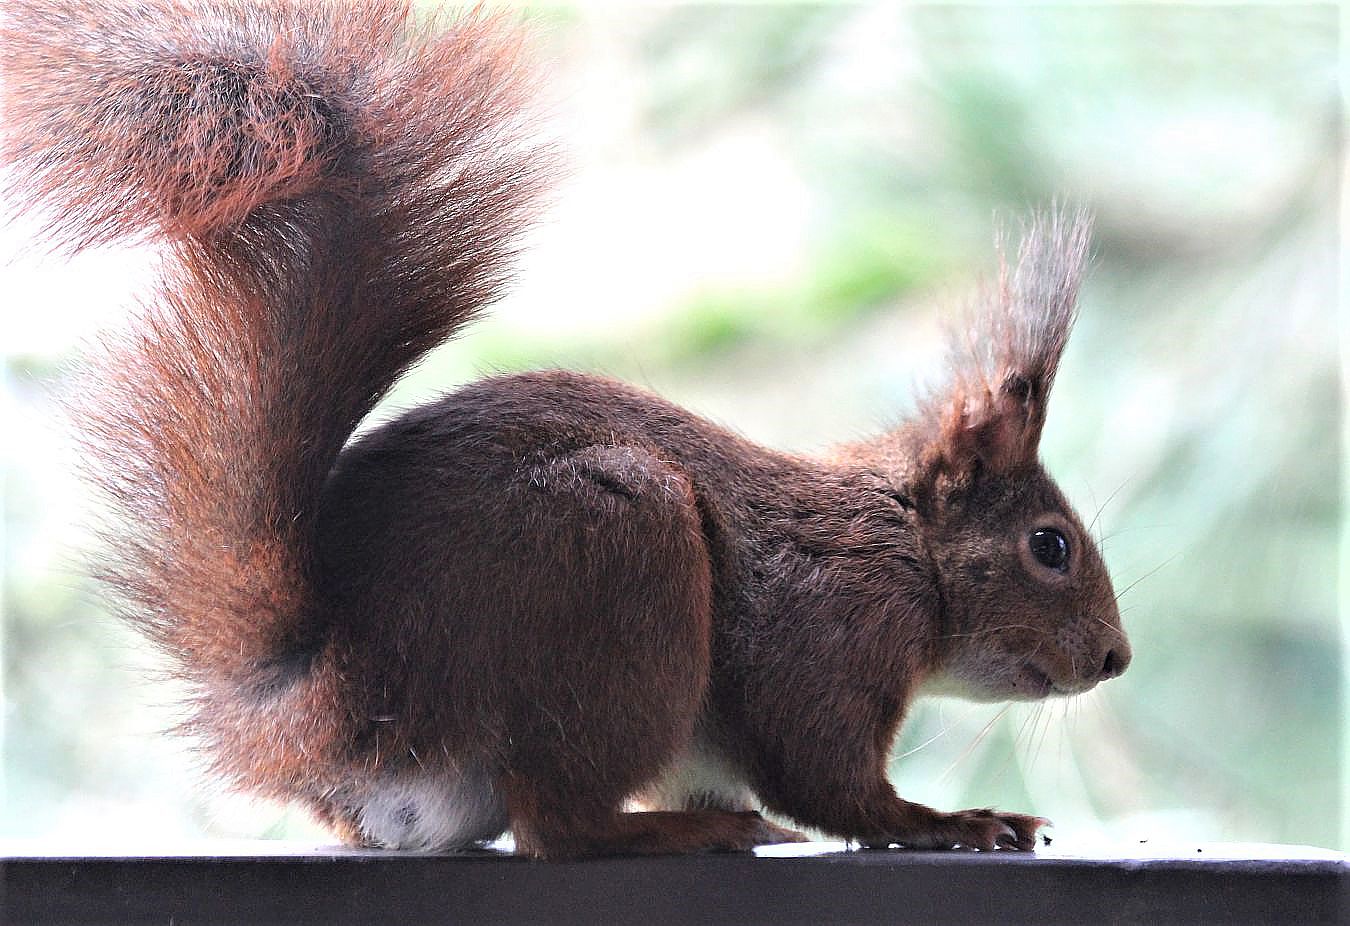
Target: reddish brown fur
{"points": [[556, 583]]}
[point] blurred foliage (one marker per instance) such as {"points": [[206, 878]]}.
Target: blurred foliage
{"points": [[1196, 420]]}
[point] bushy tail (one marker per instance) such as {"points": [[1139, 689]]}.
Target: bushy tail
{"points": [[339, 188]]}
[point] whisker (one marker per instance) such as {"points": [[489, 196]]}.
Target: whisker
{"points": [[946, 728], [1046, 722], [979, 738], [1130, 528], [1107, 502], [1045, 730], [1147, 574], [1017, 738], [1064, 730], [989, 630], [1093, 495]]}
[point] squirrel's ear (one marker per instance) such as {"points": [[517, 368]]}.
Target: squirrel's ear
{"points": [[1003, 360]]}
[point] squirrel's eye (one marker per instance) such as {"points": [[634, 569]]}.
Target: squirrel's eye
{"points": [[1050, 548]]}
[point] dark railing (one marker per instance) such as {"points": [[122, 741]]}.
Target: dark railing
{"points": [[812, 884]]}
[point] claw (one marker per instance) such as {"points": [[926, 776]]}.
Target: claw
{"points": [[980, 829]]}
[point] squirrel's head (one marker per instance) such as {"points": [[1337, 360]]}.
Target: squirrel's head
{"points": [[1029, 610], [1028, 605]]}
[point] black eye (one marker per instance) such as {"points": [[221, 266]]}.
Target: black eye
{"points": [[1050, 548]]}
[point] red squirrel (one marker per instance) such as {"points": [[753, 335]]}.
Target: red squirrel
{"points": [[545, 595]]}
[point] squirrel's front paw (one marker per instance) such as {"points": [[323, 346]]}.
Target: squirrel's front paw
{"points": [[972, 829]]}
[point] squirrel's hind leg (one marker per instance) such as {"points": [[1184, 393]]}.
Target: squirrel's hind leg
{"points": [[545, 835], [616, 690]]}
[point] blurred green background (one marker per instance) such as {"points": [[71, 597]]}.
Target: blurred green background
{"points": [[768, 212]]}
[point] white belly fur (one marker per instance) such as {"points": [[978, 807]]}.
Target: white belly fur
{"points": [[433, 812], [699, 778]]}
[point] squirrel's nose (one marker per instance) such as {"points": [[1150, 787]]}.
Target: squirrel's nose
{"points": [[1116, 661]]}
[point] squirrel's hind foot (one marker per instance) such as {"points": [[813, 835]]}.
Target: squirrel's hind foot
{"points": [[658, 833]]}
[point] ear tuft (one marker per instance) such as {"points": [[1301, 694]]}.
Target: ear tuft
{"points": [[1004, 358], [1028, 324]]}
